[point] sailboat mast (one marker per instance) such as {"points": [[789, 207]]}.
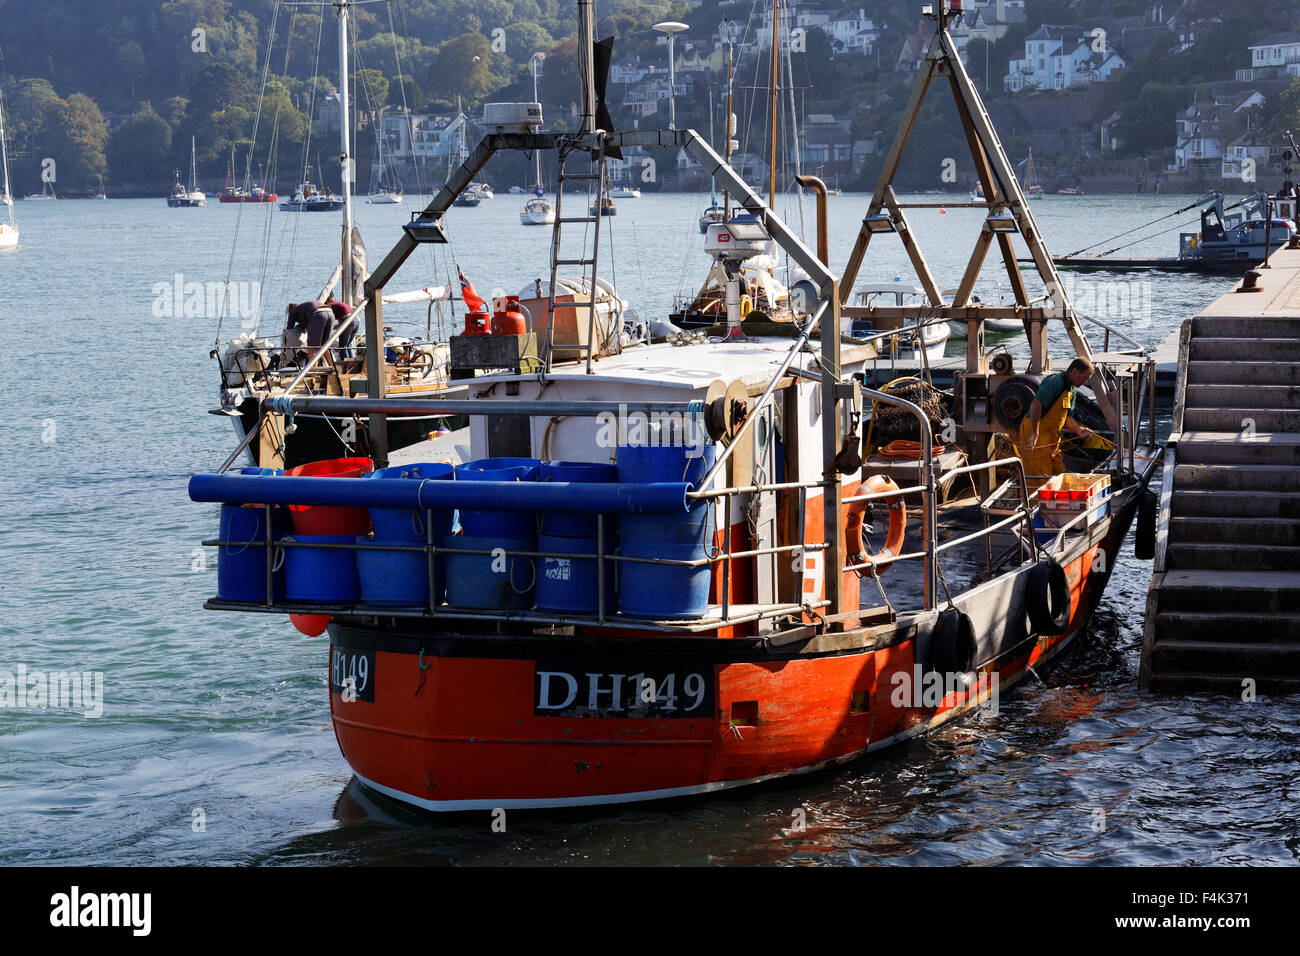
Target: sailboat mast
{"points": [[537, 153], [797, 135], [776, 61], [345, 155], [4, 161], [726, 194]]}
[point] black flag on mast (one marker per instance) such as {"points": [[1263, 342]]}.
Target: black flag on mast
{"points": [[602, 55]]}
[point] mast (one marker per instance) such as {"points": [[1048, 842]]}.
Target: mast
{"points": [[345, 157], [8, 199], [797, 136], [726, 193], [194, 176], [537, 153], [586, 37], [776, 62]]}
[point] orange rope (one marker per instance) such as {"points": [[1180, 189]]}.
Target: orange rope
{"points": [[904, 449]]}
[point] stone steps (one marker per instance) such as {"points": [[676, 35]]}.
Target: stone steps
{"points": [[1201, 372], [1222, 530], [1231, 477], [1237, 448], [1236, 504], [1234, 419], [1211, 349]]}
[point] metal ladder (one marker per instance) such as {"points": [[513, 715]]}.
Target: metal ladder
{"points": [[598, 162]]}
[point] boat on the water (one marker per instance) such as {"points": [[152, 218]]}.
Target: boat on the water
{"points": [[538, 210], [605, 207], [1033, 190], [236, 193], [1071, 191], [624, 191], [1232, 239], [680, 569], [923, 333], [9, 228], [713, 214], [470, 197], [308, 198], [187, 197]]}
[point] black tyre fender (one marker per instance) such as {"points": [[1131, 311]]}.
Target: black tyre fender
{"points": [[952, 644], [1048, 598], [1144, 539]]}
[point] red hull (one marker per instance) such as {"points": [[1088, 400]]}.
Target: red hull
{"points": [[463, 732]]}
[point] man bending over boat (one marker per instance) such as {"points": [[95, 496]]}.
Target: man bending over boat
{"points": [[1039, 445], [316, 321]]}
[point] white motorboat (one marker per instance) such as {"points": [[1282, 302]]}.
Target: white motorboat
{"points": [[901, 343], [625, 191]]}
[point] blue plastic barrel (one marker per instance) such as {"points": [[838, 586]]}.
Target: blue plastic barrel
{"points": [[567, 523], [663, 591], [397, 578], [490, 582], [241, 564], [321, 576], [407, 524], [666, 462], [571, 584], [502, 523]]}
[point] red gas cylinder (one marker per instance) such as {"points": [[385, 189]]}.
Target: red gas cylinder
{"points": [[511, 321], [477, 323]]}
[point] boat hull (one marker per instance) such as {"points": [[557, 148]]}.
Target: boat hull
{"points": [[450, 720]]}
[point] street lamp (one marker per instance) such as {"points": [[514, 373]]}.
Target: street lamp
{"points": [[671, 28]]}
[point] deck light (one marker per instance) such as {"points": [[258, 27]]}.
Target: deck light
{"points": [[424, 228], [1001, 222], [881, 222]]}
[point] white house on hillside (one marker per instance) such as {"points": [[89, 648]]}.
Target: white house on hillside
{"points": [[1062, 57]]}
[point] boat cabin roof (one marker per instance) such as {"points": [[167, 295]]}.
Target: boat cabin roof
{"points": [[690, 367]]}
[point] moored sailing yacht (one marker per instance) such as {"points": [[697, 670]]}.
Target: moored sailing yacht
{"points": [[9, 229], [755, 629], [183, 197], [1032, 189], [537, 211]]}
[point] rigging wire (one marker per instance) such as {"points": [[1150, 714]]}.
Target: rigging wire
{"points": [[1176, 212]]}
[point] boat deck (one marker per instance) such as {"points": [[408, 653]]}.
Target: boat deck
{"points": [[962, 566]]}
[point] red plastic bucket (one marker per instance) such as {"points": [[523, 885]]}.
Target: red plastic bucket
{"points": [[330, 519]]}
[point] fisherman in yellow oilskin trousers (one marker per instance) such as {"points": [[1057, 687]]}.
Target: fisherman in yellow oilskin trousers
{"points": [[1039, 441]]}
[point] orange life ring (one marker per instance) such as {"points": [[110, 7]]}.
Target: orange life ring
{"points": [[856, 546]]}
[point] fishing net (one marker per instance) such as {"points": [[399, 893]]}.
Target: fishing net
{"points": [[891, 423]]}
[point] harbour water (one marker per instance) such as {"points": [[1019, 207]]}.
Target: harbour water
{"points": [[214, 744]]}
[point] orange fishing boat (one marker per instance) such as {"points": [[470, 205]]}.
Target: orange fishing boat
{"points": [[681, 568]]}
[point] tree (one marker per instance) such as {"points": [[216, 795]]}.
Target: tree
{"points": [[77, 142], [464, 66], [370, 87], [524, 39], [404, 91], [139, 150]]}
